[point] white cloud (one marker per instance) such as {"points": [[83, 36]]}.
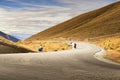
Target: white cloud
{"points": [[85, 5], [29, 20]]}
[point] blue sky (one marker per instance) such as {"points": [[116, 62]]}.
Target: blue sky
{"points": [[32, 3], [27, 3], [32, 16]]}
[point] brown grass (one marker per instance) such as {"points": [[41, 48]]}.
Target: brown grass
{"points": [[47, 45], [104, 21], [111, 45], [8, 46]]}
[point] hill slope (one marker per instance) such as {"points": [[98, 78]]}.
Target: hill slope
{"points": [[7, 46], [103, 21], [9, 37]]}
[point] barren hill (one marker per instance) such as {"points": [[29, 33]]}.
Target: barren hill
{"points": [[100, 22], [7, 46]]}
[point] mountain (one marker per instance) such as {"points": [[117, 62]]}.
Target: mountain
{"points": [[100, 22], [9, 37]]}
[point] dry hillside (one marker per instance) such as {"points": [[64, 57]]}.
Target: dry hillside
{"points": [[111, 44], [103, 21], [7, 46], [48, 46]]}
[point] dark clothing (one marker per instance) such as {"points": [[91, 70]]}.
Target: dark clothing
{"points": [[40, 49], [75, 45]]}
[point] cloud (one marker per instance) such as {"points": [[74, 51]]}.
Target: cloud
{"points": [[85, 5], [33, 18], [28, 22]]}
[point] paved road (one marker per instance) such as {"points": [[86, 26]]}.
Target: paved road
{"points": [[76, 64]]}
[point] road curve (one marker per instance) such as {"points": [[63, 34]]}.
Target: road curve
{"points": [[76, 64]]}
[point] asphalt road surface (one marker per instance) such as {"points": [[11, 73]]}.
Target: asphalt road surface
{"points": [[76, 64]]}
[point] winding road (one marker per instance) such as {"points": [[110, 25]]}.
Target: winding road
{"points": [[75, 64]]}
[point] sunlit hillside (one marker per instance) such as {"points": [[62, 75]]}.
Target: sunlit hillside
{"points": [[48, 46], [104, 21], [7, 46], [111, 44]]}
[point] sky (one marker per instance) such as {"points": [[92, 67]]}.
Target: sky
{"points": [[22, 18]]}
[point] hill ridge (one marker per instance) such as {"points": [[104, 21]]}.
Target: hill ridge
{"points": [[9, 37], [103, 21]]}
